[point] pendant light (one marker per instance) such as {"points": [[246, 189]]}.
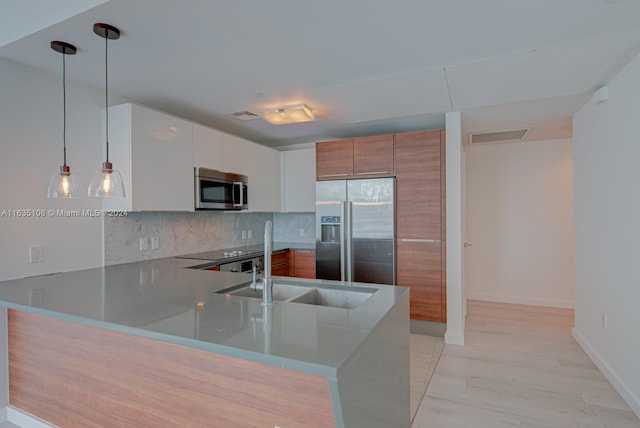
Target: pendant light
{"points": [[106, 182], [63, 184]]}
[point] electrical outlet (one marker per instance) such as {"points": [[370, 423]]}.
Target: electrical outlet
{"points": [[301, 232], [144, 244], [36, 254], [244, 235], [155, 242], [604, 320], [249, 234]]}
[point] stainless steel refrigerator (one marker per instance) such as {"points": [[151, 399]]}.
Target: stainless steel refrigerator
{"points": [[355, 230]]}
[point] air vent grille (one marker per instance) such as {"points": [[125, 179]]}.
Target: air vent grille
{"points": [[244, 115], [498, 137]]}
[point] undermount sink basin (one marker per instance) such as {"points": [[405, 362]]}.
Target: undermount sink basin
{"points": [[280, 291], [333, 297]]}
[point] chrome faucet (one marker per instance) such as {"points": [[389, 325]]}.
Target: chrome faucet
{"points": [[266, 282]]}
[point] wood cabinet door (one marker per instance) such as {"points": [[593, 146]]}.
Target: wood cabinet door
{"points": [[419, 267], [304, 263], [334, 159], [418, 185], [373, 156], [280, 264]]}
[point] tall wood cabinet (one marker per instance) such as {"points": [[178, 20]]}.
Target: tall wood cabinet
{"points": [[420, 213]]}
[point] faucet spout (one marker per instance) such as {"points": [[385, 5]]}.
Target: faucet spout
{"points": [[266, 283]]}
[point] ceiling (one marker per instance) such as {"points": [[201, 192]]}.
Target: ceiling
{"points": [[364, 67]]}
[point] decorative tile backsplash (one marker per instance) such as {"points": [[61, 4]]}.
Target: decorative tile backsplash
{"points": [[184, 233]]}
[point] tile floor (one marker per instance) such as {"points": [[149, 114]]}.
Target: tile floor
{"points": [[520, 368], [425, 353]]}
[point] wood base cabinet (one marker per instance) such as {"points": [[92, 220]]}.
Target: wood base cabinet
{"points": [[419, 267], [304, 264]]}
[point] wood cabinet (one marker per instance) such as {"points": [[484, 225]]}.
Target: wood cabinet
{"points": [[420, 214], [355, 158], [334, 159], [298, 180], [280, 263], [373, 156], [153, 152], [207, 147], [419, 267], [303, 264]]}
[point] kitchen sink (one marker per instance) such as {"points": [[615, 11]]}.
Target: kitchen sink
{"points": [[320, 296], [280, 291], [331, 297]]}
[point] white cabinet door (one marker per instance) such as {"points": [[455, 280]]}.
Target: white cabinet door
{"points": [[207, 147], [154, 153], [264, 179], [161, 162], [299, 180], [235, 154]]}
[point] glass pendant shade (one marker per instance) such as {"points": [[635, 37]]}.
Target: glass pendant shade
{"points": [[64, 184], [107, 182]]}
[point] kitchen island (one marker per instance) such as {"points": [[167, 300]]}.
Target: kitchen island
{"points": [[157, 344]]}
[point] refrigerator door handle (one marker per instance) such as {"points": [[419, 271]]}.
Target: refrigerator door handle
{"points": [[349, 241], [343, 222]]}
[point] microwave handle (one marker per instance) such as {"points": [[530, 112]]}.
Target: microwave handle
{"points": [[240, 190]]}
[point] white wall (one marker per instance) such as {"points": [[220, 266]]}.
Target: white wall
{"points": [[606, 155], [520, 223], [31, 144]]}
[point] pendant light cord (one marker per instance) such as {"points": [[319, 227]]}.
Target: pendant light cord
{"points": [[64, 109], [106, 87]]}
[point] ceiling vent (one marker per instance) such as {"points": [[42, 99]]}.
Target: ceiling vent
{"points": [[498, 137], [244, 115]]}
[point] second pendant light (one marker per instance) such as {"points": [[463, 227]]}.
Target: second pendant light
{"points": [[106, 182]]}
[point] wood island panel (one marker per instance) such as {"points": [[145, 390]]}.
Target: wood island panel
{"points": [[373, 156], [334, 159], [419, 267], [75, 375]]}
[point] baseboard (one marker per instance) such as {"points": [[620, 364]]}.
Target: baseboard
{"points": [[627, 395], [24, 419], [553, 303], [427, 328], [453, 339]]}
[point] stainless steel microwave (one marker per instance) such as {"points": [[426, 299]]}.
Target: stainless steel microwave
{"points": [[217, 190]]}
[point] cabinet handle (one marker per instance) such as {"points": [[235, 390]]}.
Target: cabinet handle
{"points": [[279, 264], [374, 172], [334, 175], [419, 240]]}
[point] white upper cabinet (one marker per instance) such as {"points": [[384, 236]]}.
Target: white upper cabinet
{"points": [[235, 154], [154, 153], [299, 180], [264, 179], [207, 147]]}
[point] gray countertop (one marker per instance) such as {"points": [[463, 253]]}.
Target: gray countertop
{"points": [[215, 257], [162, 299]]}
